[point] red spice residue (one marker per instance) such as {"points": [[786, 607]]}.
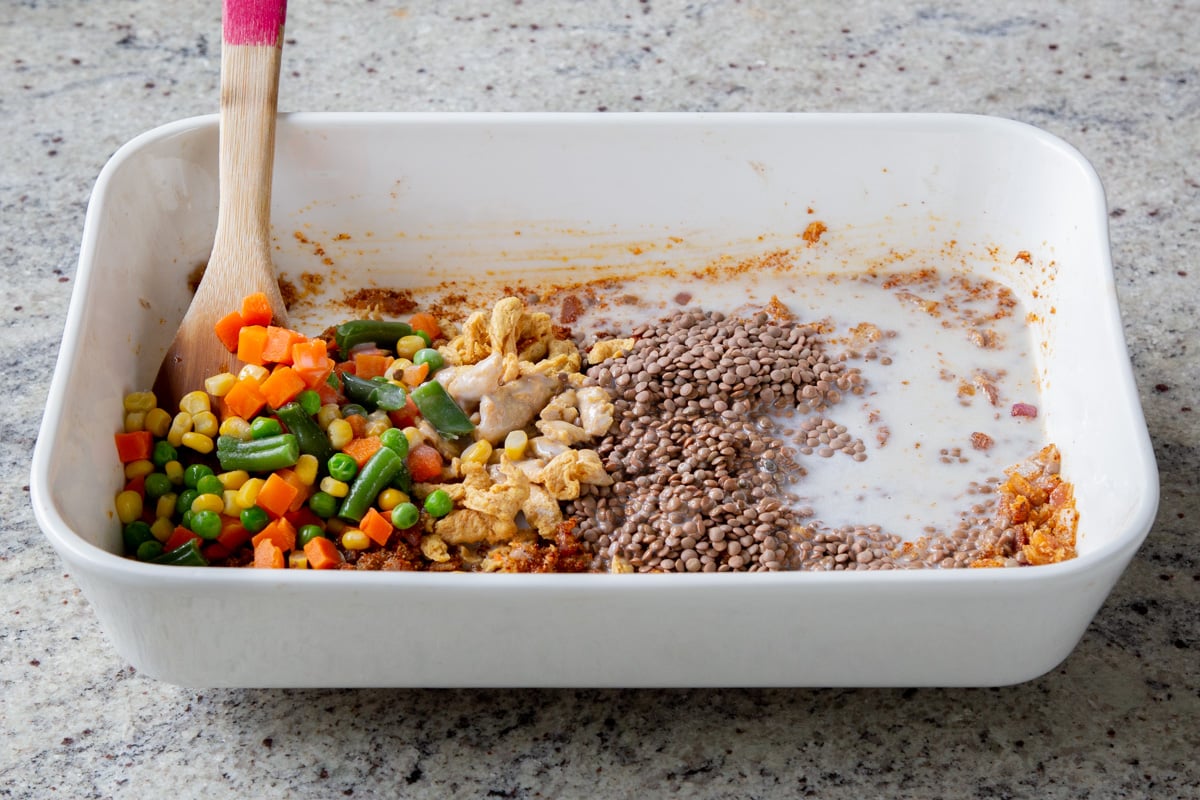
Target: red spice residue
{"points": [[812, 234]]}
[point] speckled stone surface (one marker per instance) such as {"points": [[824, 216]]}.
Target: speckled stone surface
{"points": [[1120, 718]]}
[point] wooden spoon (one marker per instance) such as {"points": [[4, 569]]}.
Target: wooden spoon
{"points": [[240, 263]]}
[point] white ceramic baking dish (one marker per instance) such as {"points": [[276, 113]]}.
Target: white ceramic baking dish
{"points": [[408, 199]]}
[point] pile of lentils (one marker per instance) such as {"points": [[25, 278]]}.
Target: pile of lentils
{"points": [[700, 473]]}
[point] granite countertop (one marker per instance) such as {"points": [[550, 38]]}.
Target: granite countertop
{"points": [[1119, 718]]}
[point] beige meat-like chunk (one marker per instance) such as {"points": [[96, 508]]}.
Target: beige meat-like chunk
{"points": [[595, 410], [501, 499], [468, 526], [468, 384], [561, 407], [609, 348], [560, 431], [542, 511], [563, 356], [566, 471], [472, 345], [513, 406]]}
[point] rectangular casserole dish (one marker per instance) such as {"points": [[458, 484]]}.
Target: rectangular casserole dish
{"points": [[407, 199]]}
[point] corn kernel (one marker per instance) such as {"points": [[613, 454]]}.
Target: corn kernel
{"points": [[195, 402], [377, 423], [158, 422], [230, 505], [254, 372], [306, 469], [135, 421], [354, 539], [208, 502], [197, 441], [129, 506], [138, 469], [234, 479], [515, 444], [248, 494], [219, 385], [414, 436], [477, 453], [333, 486], [235, 427], [395, 368], [181, 424], [327, 414], [297, 560], [390, 498], [174, 471], [407, 346], [165, 507], [162, 528], [140, 401], [340, 433], [205, 423]]}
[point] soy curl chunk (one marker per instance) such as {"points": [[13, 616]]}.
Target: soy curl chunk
{"points": [[1024, 410]]}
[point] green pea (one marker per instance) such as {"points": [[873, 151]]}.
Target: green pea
{"points": [[183, 503], [186, 519], [163, 452], [342, 467], [323, 504], [135, 535], [262, 427], [193, 474], [158, 484], [309, 532], [427, 355], [149, 550], [310, 401], [425, 336], [206, 524], [254, 518], [395, 439], [438, 504], [210, 484], [405, 515]]}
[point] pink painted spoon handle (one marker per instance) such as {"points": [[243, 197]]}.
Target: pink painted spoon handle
{"points": [[254, 22]]}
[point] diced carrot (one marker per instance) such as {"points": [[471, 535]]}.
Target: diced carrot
{"points": [[256, 309], [233, 535], [422, 321], [134, 446], [371, 365], [424, 463], [303, 516], [278, 349], [322, 553], [416, 374], [358, 424], [344, 366], [251, 341], [137, 484], [327, 393], [179, 538], [245, 399], [376, 526], [227, 328], [268, 555], [282, 386], [309, 354], [361, 448], [214, 551], [278, 532], [406, 416], [302, 491], [276, 495]]}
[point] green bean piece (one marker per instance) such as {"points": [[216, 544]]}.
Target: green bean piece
{"points": [[353, 333], [163, 452], [373, 394], [441, 410], [396, 440], [206, 524], [150, 550], [373, 478], [186, 555], [308, 433], [260, 455], [352, 409], [403, 478], [428, 339]]}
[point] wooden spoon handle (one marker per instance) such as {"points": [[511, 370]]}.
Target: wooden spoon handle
{"points": [[250, 58]]}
